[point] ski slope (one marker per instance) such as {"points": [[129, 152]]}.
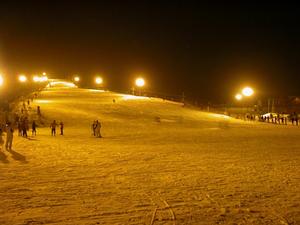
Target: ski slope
{"points": [[157, 163]]}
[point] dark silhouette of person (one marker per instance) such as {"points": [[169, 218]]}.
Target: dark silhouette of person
{"points": [[61, 128], [38, 110], [33, 126], [53, 126]]}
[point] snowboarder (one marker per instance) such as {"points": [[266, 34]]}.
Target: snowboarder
{"points": [[53, 126], [33, 127], [61, 128], [9, 135]]}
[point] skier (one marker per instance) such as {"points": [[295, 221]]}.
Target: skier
{"points": [[33, 127], [53, 126], [61, 128], [9, 135]]}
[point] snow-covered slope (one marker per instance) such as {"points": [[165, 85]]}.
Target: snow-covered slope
{"points": [[192, 167]]}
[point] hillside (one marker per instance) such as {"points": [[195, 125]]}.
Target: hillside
{"points": [[157, 163]]}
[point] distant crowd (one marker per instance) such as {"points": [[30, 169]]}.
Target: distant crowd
{"points": [[275, 118], [22, 123]]}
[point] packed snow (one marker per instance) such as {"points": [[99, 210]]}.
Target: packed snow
{"points": [[157, 163]]}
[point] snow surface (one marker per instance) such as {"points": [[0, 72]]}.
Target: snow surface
{"points": [[158, 163]]}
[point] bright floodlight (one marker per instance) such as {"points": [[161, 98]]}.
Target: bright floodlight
{"points": [[238, 97], [1, 80], [99, 80], [22, 78], [36, 78], [247, 91], [140, 82], [43, 79], [76, 79], [44, 74]]}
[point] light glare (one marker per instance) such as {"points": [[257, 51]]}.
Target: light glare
{"points": [[36, 78], [238, 97], [1, 80], [247, 91], [140, 82], [99, 80], [22, 78]]}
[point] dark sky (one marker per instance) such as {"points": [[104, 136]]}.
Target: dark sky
{"points": [[206, 50]]}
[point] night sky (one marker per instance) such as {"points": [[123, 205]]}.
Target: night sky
{"points": [[209, 51]]}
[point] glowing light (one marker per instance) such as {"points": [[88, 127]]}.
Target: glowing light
{"points": [[36, 78], [238, 97], [76, 79], [247, 91], [43, 79], [1, 80], [99, 80], [133, 97], [42, 101], [220, 116], [44, 73], [61, 84], [140, 82], [22, 78], [94, 90]]}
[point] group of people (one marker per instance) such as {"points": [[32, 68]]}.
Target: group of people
{"points": [[53, 126], [281, 119], [23, 126]]}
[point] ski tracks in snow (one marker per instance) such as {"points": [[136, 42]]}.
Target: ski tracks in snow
{"points": [[163, 213]]}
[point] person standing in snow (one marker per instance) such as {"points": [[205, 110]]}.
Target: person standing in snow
{"points": [[19, 124], [33, 127], [38, 110], [9, 135], [94, 125], [98, 127], [53, 126], [24, 127], [61, 128]]}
